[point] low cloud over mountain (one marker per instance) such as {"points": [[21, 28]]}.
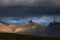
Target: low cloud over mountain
{"points": [[32, 28]]}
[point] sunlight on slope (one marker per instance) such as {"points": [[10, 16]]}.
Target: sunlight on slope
{"points": [[4, 28], [21, 28], [28, 27]]}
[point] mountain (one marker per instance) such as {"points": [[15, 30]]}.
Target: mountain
{"points": [[5, 27], [32, 28], [3, 23], [29, 28], [53, 29]]}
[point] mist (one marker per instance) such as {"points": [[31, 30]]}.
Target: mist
{"points": [[43, 20]]}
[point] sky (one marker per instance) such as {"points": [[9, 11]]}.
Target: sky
{"points": [[30, 2], [42, 9], [27, 2]]}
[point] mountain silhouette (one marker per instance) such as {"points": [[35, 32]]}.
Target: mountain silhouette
{"points": [[53, 29]]}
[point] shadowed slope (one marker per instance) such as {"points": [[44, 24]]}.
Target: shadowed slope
{"points": [[12, 36], [53, 29]]}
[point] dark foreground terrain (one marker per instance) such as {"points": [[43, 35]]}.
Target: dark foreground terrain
{"points": [[12, 36]]}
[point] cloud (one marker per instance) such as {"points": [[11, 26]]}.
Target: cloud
{"points": [[44, 20], [27, 2], [56, 3]]}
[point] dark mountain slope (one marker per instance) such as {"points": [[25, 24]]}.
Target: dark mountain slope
{"points": [[53, 29]]}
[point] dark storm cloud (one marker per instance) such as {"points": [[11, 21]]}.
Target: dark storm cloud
{"points": [[30, 2], [28, 11], [25, 8]]}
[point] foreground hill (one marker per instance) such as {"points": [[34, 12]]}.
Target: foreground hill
{"points": [[13, 36]]}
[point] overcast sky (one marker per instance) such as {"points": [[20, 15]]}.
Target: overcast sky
{"points": [[45, 7], [30, 2]]}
